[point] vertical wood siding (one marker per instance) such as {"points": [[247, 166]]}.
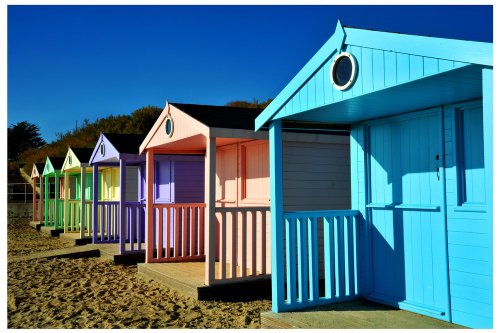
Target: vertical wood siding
{"points": [[189, 180], [469, 230], [131, 183], [377, 69]]}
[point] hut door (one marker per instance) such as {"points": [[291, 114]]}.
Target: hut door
{"points": [[409, 264]]}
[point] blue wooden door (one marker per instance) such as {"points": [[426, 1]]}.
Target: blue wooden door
{"points": [[409, 258]]}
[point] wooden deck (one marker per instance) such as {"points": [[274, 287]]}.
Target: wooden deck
{"points": [[51, 230], [188, 278], [75, 238], [357, 314], [36, 225]]}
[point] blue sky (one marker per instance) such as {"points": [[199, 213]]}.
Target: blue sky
{"points": [[70, 63]]}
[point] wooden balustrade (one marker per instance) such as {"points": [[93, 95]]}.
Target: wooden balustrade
{"points": [[178, 232], [339, 243], [107, 222], [243, 243], [135, 228]]}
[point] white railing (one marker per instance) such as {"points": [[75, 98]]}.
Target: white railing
{"points": [[106, 226]]}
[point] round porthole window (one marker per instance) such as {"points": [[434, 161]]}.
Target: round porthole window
{"points": [[102, 149], [343, 71], [169, 126]]}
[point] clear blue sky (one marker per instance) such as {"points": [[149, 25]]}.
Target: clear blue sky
{"points": [[70, 63]]}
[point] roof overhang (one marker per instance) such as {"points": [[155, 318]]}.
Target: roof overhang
{"points": [[458, 85]]}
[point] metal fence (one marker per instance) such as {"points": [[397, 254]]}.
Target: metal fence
{"points": [[20, 192]]}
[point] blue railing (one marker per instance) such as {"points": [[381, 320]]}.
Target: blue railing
{"points": [[307, 281]]}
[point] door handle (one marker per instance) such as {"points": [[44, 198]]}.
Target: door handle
{"points": [[437, 168]]}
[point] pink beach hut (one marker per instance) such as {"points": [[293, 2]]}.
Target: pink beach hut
{"points": [[228, 229], [36, 176]]}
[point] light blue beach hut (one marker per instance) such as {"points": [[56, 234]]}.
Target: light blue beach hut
{"points": [[419, 235]]}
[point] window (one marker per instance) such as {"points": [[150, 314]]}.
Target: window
{"points": [[343, 71], [470, 155], [169, 126]]}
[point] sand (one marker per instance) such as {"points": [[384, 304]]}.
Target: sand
{"points": [[94, 293]]}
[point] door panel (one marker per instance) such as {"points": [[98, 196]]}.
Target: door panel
{"points": [[408, 231]]}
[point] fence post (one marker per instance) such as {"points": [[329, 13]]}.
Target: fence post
{"points": [[149, 205], [276, 175], [95, 194], [121, 214], [83, 176], [210, 230]]}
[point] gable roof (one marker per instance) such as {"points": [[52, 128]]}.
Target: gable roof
{"points": [[194, 122], [221, 116], [83, 154], [377, 53], [125, 143], [53, 165], [37, 169], [77, 158]]}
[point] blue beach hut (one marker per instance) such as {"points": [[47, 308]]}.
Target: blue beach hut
{"points": [[419, 232]]}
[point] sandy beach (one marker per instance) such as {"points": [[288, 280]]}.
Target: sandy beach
{"points": [[94, 293]]}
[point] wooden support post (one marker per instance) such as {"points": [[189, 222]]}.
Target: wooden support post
{"points": [[83, 176], [276, 178], [66, 201], [56, 201], [95, 198], [34, 200], [46, 210], [42, 201], [210, 229], [149, 205], [122, 218]]}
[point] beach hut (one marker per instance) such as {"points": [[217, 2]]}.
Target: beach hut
{"points": [[36, 175], [54, 194], [118, 210], [419, 232], [224, 224], [78, 204]]}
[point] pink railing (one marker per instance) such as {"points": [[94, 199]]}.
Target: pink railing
{"points": [[243, 243], [178, 233]]}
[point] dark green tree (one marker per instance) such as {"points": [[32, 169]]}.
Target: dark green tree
{"points": [[22, 136]]}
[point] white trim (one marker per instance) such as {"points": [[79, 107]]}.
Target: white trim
{"points": [[354, 72]]}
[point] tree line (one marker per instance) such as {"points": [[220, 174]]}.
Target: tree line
{"points": [[26, 146]]}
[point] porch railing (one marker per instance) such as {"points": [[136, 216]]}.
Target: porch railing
{"points": [[106, 225], [73, 223], [36, 211], [243, 242], [135, 228], [52, 221], [178, 232], [303, 285]]}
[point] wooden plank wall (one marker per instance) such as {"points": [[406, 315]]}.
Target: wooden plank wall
{"points": [[469, 229], [377, 69]]}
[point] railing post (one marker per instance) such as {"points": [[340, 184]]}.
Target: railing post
{"points": [[149, 205], [210, 160], [95, 194], [34, 199], [122, 224], [42, 201], [66, 201], [56, 201], [83, 176], [46, 210], [276, 178]]}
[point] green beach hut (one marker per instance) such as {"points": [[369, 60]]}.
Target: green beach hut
{"points": [[53, 195]]}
